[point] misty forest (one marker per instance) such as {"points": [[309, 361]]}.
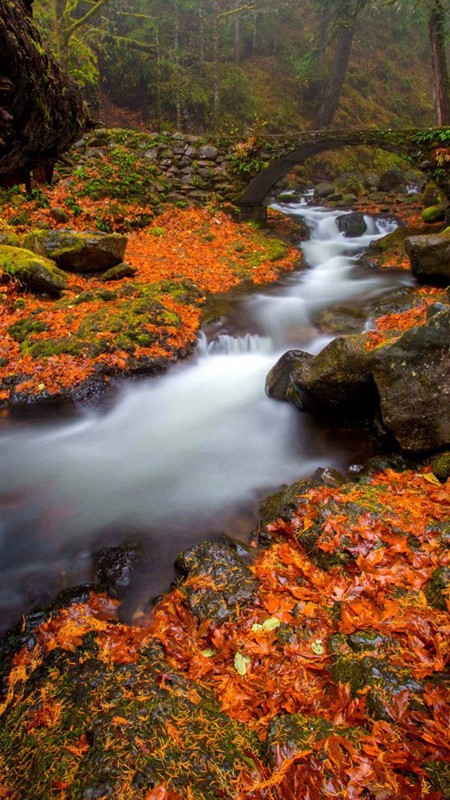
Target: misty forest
{"points": [[224, 399]]}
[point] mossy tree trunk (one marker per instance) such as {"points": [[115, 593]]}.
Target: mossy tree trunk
{"points": [[42, 111]]}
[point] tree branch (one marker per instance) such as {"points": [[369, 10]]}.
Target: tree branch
{"points": [[80, 22]]}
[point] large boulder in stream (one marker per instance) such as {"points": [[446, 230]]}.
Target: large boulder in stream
{"points": [[336, 379], [413, 381], [429, 255], [352, 224], [79, 251]]}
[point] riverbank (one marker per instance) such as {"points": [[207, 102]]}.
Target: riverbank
{"points": [[317, 658], [138, 321]]}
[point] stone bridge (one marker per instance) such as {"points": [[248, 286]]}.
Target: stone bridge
{"points": [[222, 169], [425, 149]]}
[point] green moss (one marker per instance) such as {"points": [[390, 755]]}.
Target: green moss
{"points": [[292, 733], [32, 271], [439, 775], [437, 588], [434, 214], [26, 327], [126, 715], [441, 466]]}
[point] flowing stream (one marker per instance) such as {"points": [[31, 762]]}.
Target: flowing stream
{"points": [[185, 455]]}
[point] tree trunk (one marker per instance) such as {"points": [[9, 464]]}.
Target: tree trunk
{"points": [[436, 23], [42, 111], [338, 71]]}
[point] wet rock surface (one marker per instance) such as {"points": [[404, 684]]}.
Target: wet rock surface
{"points": [[337, 378], [413, 382], [216, 582], [352, 224]]}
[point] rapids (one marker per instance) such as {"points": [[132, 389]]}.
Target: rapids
{"points": [[184, 455]]}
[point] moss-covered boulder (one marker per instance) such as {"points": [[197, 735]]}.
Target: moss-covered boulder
{"points": [[430, 257], [118, 272], [413, 381], [336, 379], [217, 582], [440, 465], [109, 730], [434, 213], [79, 251], [37, 273]]}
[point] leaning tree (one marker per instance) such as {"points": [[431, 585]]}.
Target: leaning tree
{"points": [[42, 111]]}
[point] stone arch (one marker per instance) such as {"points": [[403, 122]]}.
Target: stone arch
{"points": [[405, 144]]}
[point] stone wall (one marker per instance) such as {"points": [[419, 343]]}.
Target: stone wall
{"points": [[228, 170]]}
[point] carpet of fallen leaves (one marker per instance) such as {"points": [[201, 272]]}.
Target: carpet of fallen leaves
{"points": [[201, 246], [282, 657]]}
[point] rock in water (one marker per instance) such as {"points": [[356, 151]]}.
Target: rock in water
{"points": [[352, 224], [338, 378]]}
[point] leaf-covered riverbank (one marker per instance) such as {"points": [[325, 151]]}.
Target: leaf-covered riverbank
{"points": [[326, 676]]}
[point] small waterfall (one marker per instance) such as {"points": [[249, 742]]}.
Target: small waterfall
{"points": [[227, 345]]}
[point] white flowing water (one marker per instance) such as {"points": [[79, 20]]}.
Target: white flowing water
{"points": [[179, 455]]}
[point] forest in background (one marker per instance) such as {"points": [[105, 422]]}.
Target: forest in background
{"points": [[202, 65]]}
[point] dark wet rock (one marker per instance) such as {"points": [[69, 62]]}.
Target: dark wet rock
{"points": [[391, 179], [352, 224], [279, 378], [429, 255], [329, 476], [291, 733], [413, 381], [440, 465], [437, 588], [118, 272], [216, 581], [114, 567], [76, 251], [394, 461], [436, 308], [338, 378], [395, 302], [280, 505], [31, 271]]}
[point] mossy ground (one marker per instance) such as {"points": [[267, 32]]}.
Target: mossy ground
{"points": [[151, 318]]}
